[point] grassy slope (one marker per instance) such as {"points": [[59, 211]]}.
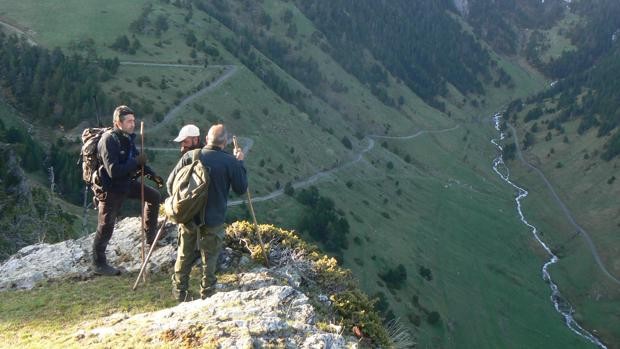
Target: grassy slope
{"points": [[486, 283], [556, 37]]}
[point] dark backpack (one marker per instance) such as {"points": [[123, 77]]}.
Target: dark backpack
{"points": [[88, 154], [189, 191]]}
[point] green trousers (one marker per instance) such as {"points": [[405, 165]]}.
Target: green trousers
{"points": [[209, 241]]}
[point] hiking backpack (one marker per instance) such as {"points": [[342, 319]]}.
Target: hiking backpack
{"points": [[189, 191], [88, 154]]}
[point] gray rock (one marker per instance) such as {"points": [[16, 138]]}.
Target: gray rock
{"points": [[72, 258]]}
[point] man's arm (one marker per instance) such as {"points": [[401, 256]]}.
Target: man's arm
{"points": [[184, 160], [239, 179]]}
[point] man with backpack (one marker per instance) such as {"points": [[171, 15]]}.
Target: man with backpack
{"points": [[120, 166], [189, 139], [207, 228]]}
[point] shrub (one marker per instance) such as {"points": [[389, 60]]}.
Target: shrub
{"points": [[288, 189], [395, 277], [433, 317], [533, 114], [426, 273], [346, 142]]}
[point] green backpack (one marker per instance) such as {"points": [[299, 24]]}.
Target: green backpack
{"points": [[189, 191]]}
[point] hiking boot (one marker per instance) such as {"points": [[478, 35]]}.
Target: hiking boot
{"points": [[105, 269], [182, 295], [204, 294]]}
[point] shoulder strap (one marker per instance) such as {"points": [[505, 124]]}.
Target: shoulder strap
{"points": [[195, 154], [113, 134], [110, 130]]}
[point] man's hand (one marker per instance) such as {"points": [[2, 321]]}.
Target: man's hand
{"points": [[158, 180], [237, 150], [238, 154], [141, 159]]}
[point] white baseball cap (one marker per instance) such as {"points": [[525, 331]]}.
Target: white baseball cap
{"points": [[187, 131]]}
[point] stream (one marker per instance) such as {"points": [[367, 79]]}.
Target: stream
{"points": [[560, 304]]}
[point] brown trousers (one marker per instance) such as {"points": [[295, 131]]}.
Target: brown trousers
{"points": [[109, 206]]}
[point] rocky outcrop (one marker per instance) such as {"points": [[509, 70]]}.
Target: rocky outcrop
{"points": [[257, 315], [263, 307], [72, 258]]}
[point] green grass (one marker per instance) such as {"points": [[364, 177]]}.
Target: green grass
{"points": [[557, 37], [50, 315], [59, 23]]}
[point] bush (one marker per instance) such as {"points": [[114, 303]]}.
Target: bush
{"points": [[395, 277], [509, 151], [321, 221], [433, 317], [528, 140], [426, 273], [288, 189], [612, 148], [533, 114], [346, 142]]}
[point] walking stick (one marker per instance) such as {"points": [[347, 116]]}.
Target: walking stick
{"points": [[142, 222], [148, 256], [260, 238]]}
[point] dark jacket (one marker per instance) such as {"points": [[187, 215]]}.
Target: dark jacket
{"points": [[117, 152], [225, 171]]}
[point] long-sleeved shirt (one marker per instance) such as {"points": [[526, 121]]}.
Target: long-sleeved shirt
{"points": [[225, 172], [117, 152]]}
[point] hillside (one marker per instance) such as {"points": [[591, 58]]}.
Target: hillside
{"points": [[378, 131]]}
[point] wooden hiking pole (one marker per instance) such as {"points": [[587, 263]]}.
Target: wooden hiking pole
{"points": [[142, 222], [260, 238], [148, 256]]}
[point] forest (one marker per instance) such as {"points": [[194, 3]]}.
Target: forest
{"points": [[588, 88], [51, 87], [425, 56]]}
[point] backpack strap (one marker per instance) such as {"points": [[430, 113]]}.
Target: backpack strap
{"points": [[196, 154], [113, 134]]}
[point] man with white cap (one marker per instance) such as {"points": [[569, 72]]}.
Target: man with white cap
{"points": [[189, 137]]}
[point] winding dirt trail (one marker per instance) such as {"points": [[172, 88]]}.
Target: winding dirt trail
{"points": [[370, 139], [14, 28], [230, 70]]}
